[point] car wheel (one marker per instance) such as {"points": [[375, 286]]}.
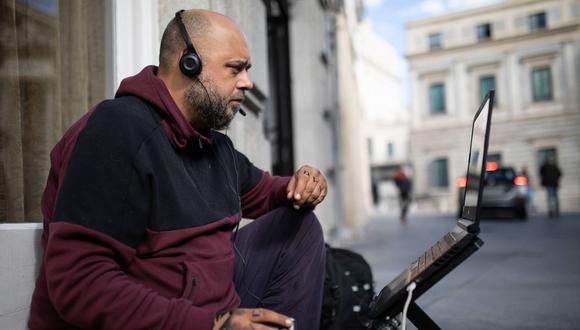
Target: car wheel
{"points": [[522, 213]]}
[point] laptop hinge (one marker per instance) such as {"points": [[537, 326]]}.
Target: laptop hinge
{"points": [[470, 226]]}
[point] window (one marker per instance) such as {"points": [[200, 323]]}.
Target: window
{"points": [[53, 65], [537, 21], [546, 153], [483, 32], [485, 84], [494, 158], [437, 98], [390, 149], [541, 84], [439, 176], [435, 41]]}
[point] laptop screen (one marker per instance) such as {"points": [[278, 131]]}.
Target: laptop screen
{"points": [[475, 167]]}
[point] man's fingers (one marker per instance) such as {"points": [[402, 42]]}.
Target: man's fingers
{"points": [[291, 187], [320, 198], [302, 179], [306, 196], [316, 191], [306, 187], [254, 318], [266, 316]]}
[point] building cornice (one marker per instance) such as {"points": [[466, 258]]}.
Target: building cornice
{"points": [[573, 27], [469, 13]]}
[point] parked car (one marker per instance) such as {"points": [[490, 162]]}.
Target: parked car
{"points": [[503, 190]]}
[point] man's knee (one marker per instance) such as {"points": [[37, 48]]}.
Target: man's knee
{"points": [[302, 222]]}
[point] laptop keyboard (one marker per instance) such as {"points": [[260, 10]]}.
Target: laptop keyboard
{"points": [[432, 254]]}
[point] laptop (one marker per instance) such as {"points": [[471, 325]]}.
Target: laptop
{"points": [[454, 247]]}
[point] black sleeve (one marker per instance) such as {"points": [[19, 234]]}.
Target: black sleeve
{"points": [[101, 172]]}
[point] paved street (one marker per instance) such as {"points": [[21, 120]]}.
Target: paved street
{"points": [[526, 276]]}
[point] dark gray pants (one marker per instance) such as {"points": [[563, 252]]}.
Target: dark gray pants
{"points": [[280, 265]]}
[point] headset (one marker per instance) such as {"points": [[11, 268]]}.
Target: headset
{"points": [[189, 63]]}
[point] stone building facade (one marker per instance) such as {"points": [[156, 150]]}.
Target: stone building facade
{"points": [[385, 117], [529, 52]]}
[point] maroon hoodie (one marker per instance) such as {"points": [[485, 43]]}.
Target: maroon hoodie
{"points": [[139, 210]]}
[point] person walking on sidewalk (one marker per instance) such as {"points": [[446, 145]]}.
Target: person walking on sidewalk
{"points": [[404, 185], [550, 174]]}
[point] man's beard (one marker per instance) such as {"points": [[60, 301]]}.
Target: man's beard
{"points": [[211, 107]]}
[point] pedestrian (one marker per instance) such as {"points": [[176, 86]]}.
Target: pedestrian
{"points": [[404, 186], [530, 191], [550, 174], [144, 197], [375, 192]]}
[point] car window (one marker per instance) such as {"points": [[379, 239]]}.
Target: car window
{"points": [[500, 177]]}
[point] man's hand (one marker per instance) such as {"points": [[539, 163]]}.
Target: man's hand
{"points": [[307, 187], [252, 319]]}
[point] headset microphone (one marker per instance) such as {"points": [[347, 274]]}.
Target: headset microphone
{"points": [[242, 112]]}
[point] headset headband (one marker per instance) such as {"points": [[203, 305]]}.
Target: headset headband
{"points": [[184, 33]]}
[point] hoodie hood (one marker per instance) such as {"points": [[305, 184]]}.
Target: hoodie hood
{"points": [[151, 89]]}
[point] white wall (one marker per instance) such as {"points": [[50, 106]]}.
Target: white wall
{"points": [[378, 73], [20, 256], [313, 93], [136, 37], [354, 156]]}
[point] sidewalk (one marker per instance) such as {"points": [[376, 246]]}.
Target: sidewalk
{"points": [[525, 276]]}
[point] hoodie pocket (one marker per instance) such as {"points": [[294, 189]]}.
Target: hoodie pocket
{"points": [[209, 282], [189, 282]]}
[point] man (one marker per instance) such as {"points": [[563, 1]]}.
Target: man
{"points": [[403, 183], [143, 197], [550, 175]]}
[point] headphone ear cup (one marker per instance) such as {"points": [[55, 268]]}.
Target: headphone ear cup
{"points": [[190, 65]]}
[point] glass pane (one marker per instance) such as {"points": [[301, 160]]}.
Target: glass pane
{"points": [[496, 158], [435, 41], [439, 173], [52, 61], [537, 21], [485, 84], [541, 84], [483, 32], [437, 98], [545, 153], [390, 149]]}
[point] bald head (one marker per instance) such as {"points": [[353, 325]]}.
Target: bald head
{"points": [[201, 25], [211, 100]]}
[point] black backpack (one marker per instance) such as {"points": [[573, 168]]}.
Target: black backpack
{"points": [[348, 291]]}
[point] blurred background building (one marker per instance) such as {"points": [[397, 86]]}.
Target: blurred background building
{"points": [[529, 52], [386, 120]]}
